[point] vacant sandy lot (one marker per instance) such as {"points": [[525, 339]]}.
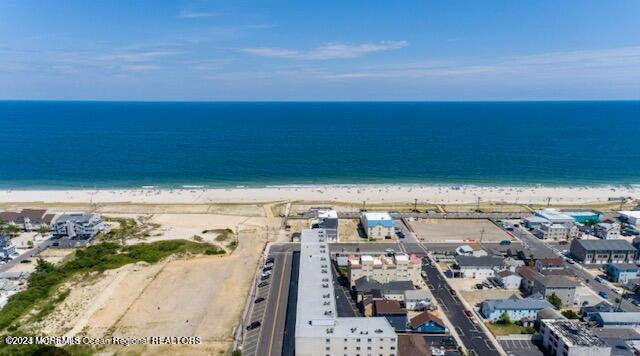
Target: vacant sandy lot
{"points": [[349, 231], [198, 296], [450, 230], [478, 296]]}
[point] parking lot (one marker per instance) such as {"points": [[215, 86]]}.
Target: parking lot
{"points": [[457, 230], [520, 347]]}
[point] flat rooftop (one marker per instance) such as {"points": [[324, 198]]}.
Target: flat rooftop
{"points": [[316, 314], [574, 333], [631, 213]]}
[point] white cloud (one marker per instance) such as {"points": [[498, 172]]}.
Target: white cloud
{"points": [[333, 50]]}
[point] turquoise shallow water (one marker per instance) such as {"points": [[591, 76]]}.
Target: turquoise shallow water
{"points": [[131, 144]]}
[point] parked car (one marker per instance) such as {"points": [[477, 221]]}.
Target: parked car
{"points": [[258, 300], [266, 273], [599, 279], [269, 259], [479, 286], [423, 274], [468, 312], [264, 277], [254, 325], [268, 264], [505, 242], [263, 284], [268, 268], [25, 261], [603, 294], [453, 292]]}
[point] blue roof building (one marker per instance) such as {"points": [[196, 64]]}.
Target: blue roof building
{"points": [[377, 225], [426, 322]]}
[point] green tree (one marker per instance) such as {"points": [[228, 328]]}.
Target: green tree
{"points": [[43, 230], [505, 319], [570, 314], [30, 244], [12, 230], [555, 300]]}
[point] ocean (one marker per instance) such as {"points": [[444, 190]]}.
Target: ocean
{"points": [[58, 144]]}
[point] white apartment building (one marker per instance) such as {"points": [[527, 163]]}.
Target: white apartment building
{"points": [[385, 269], [377, 225], [556, 231], [571, 338], [319, 331]]}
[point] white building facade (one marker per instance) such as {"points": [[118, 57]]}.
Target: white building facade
{"points": [[377, 225], [319, 331]]}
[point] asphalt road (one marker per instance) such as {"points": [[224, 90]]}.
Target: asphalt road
{"points": [[27, 255], [582, 275], [472, 336], [268, 339]]}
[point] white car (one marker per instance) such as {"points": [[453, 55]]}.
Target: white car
{"points": [[423, 274], [266, 273]]}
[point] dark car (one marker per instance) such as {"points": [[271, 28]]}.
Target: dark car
{"points": [[264, 278], [453, 292], [25, 261], [254, 325], [258, 300], [263, 284], [467, 313], [268, 268], [505, 242], [269, 259]]}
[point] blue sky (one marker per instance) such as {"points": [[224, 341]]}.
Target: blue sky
{"points": [[324, 50]]}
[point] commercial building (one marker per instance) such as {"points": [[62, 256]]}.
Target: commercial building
{"points": [[583, 216], [534, 221], [571, 338], [79, 225], [588, 312], [476, 267], [622, 272], [377, 225], [607, 231], [617, 320], [327, 219], [525, 309], [384, 269], [631, 217], [554, 216], [319, 330], [603, 251]]}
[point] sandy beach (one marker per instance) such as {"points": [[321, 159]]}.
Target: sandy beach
{"points": [[339, 193]]}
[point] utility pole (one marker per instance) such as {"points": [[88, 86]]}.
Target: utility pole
{"points": [[478, 205], [481, 235], [548, 201], [364, 205], [415, 204]]}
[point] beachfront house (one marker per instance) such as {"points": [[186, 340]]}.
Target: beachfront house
{"points": [[79, 225], [525, 309], [377, 225], [28, 219]]}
